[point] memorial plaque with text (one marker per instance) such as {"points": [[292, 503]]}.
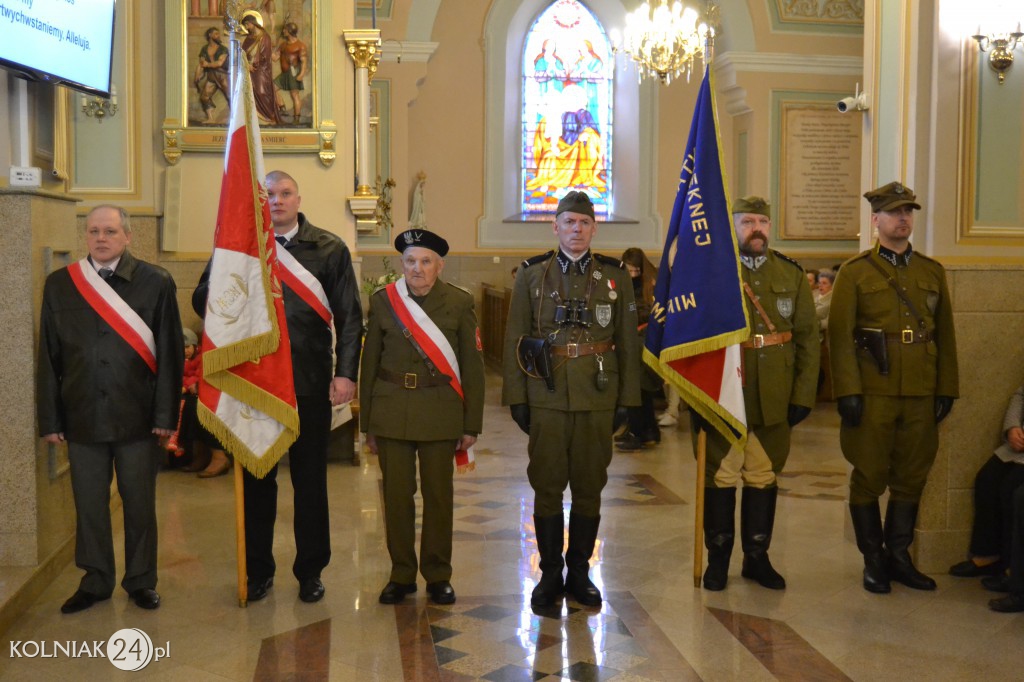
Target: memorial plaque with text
{"points": [[820, 173]]}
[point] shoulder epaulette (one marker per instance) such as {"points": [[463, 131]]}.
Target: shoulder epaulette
{"points": [[460, 288], [859, 256], [608, 260], [927, 258], [791, 261], [538, 259]]}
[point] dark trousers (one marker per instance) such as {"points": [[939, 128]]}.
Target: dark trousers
{"points": [[994, 486], [893, 448], [569, 449], [307, 461], [437, 467], [1017, 543], [642, 421], [92, 469]]}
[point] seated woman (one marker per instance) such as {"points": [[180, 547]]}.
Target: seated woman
{"points": [[994, 486]]}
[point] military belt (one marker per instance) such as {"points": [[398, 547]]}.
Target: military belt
{"points": [[413, 380], [577, 350], [762, 340], [910, 336]]}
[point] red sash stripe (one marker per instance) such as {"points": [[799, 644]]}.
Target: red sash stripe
{"points": [[426, 343], [110, 316], [295, 284]]}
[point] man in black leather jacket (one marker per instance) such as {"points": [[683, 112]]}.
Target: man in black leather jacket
{"points": [[317, 387], [109, 383]]}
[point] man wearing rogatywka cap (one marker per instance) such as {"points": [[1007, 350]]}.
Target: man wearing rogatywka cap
{"points": [[894, 374], [421, 397], [780, 376], [576, 309]]}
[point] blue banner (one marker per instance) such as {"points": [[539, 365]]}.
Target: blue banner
{"points": [[699, 316]]}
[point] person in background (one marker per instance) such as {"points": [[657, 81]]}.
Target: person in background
{"points": [[812, 279], [826, 278], [108, 383], [642, 424], [994, 487]]}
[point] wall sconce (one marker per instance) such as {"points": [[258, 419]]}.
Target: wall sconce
{"points": [[1002, 45], [99, 107]]}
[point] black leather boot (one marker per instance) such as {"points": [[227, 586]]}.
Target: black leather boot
{"points": [[757, 518], [867, 524], [719, 534], [582, 537], [550, 530], [900, 517]]}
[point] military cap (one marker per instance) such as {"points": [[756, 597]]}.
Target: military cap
{"points": [[189, 337], [891, 196], [423, 238], [752, 204], [576, 202]]}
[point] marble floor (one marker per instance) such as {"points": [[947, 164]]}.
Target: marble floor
{"points": [[654, 625]]}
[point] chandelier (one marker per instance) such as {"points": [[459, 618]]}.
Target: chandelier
{"points": [[666, 41]]}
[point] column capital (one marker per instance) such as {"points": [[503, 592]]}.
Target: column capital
{"points": [[364, 48]]}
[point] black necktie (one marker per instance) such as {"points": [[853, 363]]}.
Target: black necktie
{"points": [[106, 273], [283, 241]]}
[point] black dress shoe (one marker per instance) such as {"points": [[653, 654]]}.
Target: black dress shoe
{"points": [[441, 592], [311, 590], [258, 589], [996, 583], [1011, 603], [393, 592], [145, 598], [969, 569], [80, 601]]}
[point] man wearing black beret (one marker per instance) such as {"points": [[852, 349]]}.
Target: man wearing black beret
{"points": [[421, 398], [579, 305]]}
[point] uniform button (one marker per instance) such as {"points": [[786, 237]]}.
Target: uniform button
{"points": [[762, 355], [906, 314], [757, 281]]}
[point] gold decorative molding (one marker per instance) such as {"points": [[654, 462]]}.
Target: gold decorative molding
{"points": [[328, 149], [172, 152], [364, 46]]}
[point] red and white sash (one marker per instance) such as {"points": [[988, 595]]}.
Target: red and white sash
{"points": [[434, 343], [114, 311], [304, 283]]}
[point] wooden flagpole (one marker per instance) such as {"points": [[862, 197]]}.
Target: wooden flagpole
{"points": [[698, 516], [243, 590]]}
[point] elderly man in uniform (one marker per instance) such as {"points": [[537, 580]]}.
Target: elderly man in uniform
{"points": [[422, 393], [321, 292], [576, 309], [109, 383], [780, 374], [894, 372]]}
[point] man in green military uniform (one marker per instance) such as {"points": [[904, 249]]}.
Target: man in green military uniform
{"points": [[780, 375], [894, 372], [581, 303], [421, 392]]}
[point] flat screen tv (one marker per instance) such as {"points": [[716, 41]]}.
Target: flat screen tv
{"points": [[65, 42]]}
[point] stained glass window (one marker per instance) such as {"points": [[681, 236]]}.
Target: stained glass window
{"points": [[568, 70]]}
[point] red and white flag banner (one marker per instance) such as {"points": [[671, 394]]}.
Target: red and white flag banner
{"points": [[247, 393]]}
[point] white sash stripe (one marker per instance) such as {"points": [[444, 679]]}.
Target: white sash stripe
{"points": [[302, 274], [123, 310], [428, 326]]}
